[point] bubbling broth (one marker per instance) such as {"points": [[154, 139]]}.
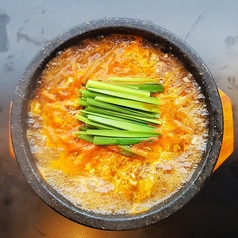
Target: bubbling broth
{"points": [[101, 178]]}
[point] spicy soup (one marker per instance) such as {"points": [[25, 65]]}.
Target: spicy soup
{"points": [[104, 179]]}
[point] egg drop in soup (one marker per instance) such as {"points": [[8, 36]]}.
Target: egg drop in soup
{"points": [[116, 178]]}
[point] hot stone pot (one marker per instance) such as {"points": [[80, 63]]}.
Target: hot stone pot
{"points": [[171, 43]]}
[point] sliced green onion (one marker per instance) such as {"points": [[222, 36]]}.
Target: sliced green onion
{"points": [[112, 117], [120, 124], [83, 102], [101, 111], [89, 94], [127, 150], [92, 123], [126, 110], [115, 88], [104, 140], [146, 99], [119, 133], [133, 79], [86, 137], [153, 88], [128, 103]]}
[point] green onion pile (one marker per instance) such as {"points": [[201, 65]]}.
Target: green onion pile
{"points": [[120, 111]]}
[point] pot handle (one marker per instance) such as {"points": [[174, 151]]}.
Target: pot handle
{"points": [[227, 147], [11, 151]]}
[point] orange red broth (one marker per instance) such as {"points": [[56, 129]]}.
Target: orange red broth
{"points": [[100, 178]]}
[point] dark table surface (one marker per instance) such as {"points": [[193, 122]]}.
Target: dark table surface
{"points": [[209, 27]]}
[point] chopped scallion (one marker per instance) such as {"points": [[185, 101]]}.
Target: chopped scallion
{"points": [[120, 111], [115, 88], [105, 140], [128, 103]]}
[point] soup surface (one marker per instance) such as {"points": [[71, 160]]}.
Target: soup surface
{"points": [[102, 178]]}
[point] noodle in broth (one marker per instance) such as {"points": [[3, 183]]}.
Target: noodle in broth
{"points": [[100, 178]]}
